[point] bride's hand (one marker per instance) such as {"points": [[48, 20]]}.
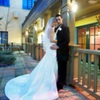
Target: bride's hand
{"points": [[54, 47]]}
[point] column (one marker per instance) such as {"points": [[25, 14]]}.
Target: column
{"points": [[71, 65], [26, 41], [65, 11], [72, 27], [69, 19]]}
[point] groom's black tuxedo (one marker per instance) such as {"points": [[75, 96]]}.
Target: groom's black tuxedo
{"points": [[63, 40]]}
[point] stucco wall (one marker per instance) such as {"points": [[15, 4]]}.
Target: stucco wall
{"points": [[14, 27]]}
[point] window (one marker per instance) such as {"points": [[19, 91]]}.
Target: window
{"points": [[27, 4], [89, 37], [4, 3], [3, 37]]}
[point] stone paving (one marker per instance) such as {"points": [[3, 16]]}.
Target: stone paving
{"points": [[25, 64]]}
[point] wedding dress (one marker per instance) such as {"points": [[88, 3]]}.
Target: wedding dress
{"points": [[40, 84]]}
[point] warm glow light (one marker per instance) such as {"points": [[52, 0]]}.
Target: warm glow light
{"points": [[26, 33], [40, 37], [87, 32], [74, 6], [98, 32], [35, 27]]}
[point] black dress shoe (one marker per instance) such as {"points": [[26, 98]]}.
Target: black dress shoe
{"points": [[59, 89], [72, 86]]}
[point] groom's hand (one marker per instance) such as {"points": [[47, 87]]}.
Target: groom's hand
{"points": [[54, 47]]}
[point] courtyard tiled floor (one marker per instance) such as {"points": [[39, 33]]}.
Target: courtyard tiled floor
{"points": [[25, 64]]}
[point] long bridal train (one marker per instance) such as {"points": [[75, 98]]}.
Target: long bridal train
{"points": [[40, 84]]}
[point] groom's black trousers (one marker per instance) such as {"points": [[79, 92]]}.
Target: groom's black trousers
{"points": [[62, 69]]}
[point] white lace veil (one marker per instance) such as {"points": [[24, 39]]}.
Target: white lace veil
{"points": [[47, 32]]}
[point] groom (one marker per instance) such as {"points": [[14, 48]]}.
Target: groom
{"points": [[63, 39]]}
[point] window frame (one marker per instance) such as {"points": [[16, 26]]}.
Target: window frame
{"points": [[25, 4], [5, 3]]}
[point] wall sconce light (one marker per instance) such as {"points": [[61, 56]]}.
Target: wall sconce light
{"points": [[15, 14], [26, 33], [72, 6]]}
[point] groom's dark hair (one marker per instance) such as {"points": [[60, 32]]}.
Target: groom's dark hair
{"points": [[58, 15]]}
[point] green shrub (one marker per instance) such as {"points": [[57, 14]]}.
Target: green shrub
{"points": [[6, 52], [6, 58]]}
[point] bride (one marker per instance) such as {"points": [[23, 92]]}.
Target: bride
{"points": [[40, 84]]}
